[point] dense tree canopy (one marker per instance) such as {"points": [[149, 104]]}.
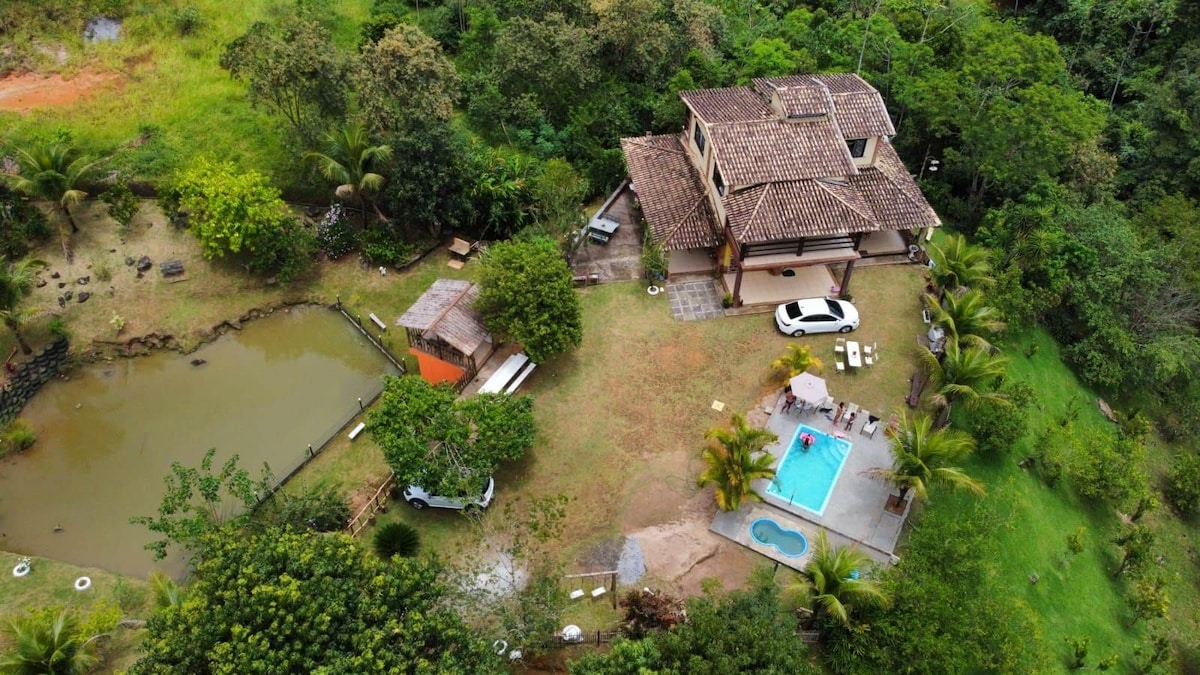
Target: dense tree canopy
{"points": [[309, 603], [292, 69], [744, 631], [448, 445], [526, 295], [228, 210]]}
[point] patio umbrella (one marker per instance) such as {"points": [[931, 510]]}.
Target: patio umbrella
{"points": [[809, 387]]}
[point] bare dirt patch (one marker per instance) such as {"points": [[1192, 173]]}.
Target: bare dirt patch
{"points": [[29, 91]]}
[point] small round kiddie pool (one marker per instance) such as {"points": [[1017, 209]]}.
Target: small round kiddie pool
{"points": [[769, 533]]}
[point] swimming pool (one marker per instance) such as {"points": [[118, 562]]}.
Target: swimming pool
{"points": [[767, 532], [805, 478]]}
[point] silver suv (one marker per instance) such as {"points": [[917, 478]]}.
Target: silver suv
{"points": [[419, 499]]}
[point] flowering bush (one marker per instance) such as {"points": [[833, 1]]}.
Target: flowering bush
{"points": [[334, 234]]}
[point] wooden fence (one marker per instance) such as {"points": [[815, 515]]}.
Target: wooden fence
{"points": [[377, 503]]}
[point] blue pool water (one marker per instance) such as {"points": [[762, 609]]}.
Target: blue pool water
{"points": [[806, 477], [768, 533]]}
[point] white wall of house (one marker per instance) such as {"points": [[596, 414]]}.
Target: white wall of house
{"points": [[868, 158]]}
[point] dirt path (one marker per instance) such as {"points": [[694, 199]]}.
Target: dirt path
{"points": [[26, 92]]}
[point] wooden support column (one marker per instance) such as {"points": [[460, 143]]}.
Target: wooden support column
{"points": [[844, 289], [737, 287]]}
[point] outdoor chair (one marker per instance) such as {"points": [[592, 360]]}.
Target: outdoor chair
{"points": [[870, 349], [841, 367], [824, 405], [839, 345], [868, 361], [870, 427]]}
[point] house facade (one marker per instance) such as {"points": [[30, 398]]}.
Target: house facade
{"points": [[778, 181]]}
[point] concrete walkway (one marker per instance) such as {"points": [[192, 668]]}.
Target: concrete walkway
{"points": [[693, 300]]}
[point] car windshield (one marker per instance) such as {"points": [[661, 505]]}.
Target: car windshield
{"points": [[835, 308], [793, 310]]}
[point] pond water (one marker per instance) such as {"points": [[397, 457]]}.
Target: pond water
{"points": [[107, 437]]}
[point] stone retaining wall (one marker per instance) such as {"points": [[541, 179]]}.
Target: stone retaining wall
{"points": [[28, 377]]}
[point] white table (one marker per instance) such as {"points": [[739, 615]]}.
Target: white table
{"points": [[853, 355]]}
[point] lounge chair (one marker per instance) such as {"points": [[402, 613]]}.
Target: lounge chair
{"points": [[870, 427]]}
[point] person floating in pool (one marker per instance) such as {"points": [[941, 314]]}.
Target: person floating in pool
{"points": [[807, 440]]}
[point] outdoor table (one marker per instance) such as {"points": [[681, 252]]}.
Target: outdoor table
{"points": [[853, 356], [602, 229]]}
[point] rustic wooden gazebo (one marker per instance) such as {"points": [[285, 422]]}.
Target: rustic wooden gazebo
{"points": [[446, 334]]}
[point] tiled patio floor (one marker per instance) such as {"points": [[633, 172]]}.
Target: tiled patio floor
{"points": [[855, 512], [693, 300]]}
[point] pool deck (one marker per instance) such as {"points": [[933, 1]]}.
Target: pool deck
{"points": [[855, 512]]}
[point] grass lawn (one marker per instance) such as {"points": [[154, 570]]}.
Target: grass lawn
{"points": [[51, 584], [175, 84], [1080, 598], [622, 419]]}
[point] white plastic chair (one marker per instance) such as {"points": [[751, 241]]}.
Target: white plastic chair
{"points": [[839, 345], [868, 361], [841, 367], [871, 348]]}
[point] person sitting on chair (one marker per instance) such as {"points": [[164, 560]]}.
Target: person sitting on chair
{"points": [[789, 399]]}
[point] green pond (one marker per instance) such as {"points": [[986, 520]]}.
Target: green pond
{"points": [[108, 435]]}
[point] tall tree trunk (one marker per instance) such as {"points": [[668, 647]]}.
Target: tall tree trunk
{"points": [[70, 219]]}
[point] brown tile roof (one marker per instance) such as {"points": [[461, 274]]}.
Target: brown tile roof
{"points": [[444, 312], [795, 209], [671, 193], [859, 108], [772, 151], [894, 196], [731, 104]]}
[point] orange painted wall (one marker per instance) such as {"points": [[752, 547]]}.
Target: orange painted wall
{"points": [[435, 370]]}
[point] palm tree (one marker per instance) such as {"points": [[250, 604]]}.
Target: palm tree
{"points": [[17, 280], [962, 375], [44, 643], [966, 317], [920, 455], [833, 584], [53, 171], [167, 593], [349, 161], [957, 264], [731, 465], [796, 360]]}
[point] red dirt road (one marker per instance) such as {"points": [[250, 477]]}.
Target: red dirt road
{"points": [[24, 93]]}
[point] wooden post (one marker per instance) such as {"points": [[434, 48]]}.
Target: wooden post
{"points": [[844, 291], [614, 590]]}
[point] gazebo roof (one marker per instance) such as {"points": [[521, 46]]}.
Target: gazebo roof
{"points": [[444, 313]]}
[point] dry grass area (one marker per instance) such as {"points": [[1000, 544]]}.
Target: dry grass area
{"points": [[622, 421], [209, 293]]}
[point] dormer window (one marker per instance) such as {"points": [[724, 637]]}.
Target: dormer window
{"points": [[858, 147], [718, 181], [698, 137]]}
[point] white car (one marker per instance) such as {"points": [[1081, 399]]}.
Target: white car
{"points": [[419, 499], [816, 315]]}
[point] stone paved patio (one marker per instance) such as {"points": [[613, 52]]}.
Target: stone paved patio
{"points": [[693, 300], [855, 512]]}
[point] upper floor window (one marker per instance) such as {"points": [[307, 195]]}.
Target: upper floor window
{"points": [[698, 137], [718, 180], [858, 147]]}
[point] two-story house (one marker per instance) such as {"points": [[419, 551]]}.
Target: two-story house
{"points": [[767, 181]]}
